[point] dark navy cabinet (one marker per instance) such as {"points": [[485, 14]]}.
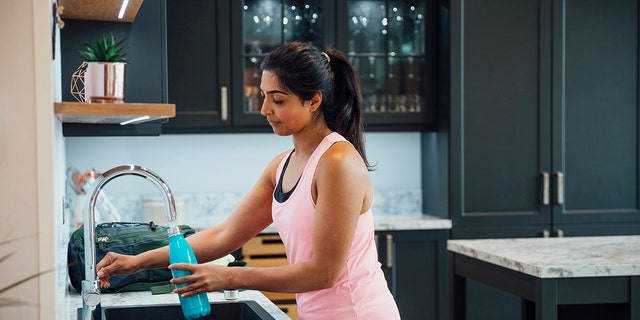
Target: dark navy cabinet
{"points": [[214, 50], [204, 57], [544, 118], [540, 133], [198, 65], [415, 266]]}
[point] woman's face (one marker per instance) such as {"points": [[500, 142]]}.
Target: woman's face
{"points": [[284, 111]]}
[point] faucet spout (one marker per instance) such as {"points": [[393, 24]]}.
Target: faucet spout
{"points": [[91, 285]]}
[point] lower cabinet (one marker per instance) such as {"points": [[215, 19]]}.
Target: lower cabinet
{"points": [[267, 250], [416, 268], [414, 262]]}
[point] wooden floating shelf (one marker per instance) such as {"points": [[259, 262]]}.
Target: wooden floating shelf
{"points": [[112, 113], [101, 10]]}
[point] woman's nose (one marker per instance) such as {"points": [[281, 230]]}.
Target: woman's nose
{"points": [[264, 109]]}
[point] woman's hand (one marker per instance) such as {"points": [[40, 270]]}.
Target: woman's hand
{"points": [[203, 278], [115, 264]]}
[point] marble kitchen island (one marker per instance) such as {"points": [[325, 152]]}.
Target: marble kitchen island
{"points": [[550, 272]]}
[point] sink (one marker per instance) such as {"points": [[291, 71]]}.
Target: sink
{"points": [[240, 310]]}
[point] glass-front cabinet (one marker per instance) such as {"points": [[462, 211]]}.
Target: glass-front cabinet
{"points": [[392, 45], [265, 25]]}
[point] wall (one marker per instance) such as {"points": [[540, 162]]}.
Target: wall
{"points": [[232, 162], [210, 173], [30, 150]]}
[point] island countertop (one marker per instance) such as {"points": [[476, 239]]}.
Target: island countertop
{"points": [[569, 257]]}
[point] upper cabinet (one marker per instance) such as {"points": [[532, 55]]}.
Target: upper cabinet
{"points": [[393, 47], [544, 129], [204, 56], [214, 51], [263, 26], [198, 65]]}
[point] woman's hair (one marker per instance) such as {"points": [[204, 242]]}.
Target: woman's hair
{"points": [[305, 70]]}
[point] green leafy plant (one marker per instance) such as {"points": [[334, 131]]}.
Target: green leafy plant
{"points": [[105, 49]]}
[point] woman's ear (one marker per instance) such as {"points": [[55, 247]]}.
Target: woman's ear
{"points": [[315, 101]]}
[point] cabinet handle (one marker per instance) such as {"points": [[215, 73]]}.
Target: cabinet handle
{"points": [[545, 233], [545, 188], [560, 233], [389, 251], [224, 103], [560, 182]]}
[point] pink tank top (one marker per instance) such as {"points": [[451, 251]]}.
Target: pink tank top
{"points": [[361, 292]]}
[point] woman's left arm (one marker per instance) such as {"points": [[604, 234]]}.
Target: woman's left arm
{"points": [[342, 191]]}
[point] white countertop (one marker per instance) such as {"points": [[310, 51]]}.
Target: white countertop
{"points": [[393, 209], [416, 221], [568, 257], [146, 298], [409, 221]]}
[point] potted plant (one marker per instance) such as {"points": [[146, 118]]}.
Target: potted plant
{"points": [[102, 72]]}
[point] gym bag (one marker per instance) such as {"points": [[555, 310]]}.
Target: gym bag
{"points": [[130, 238]]}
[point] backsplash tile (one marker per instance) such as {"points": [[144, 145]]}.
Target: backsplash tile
{"points": [[201, 210]]}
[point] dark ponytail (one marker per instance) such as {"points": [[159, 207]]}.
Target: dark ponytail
{"points": [[305, 70]]}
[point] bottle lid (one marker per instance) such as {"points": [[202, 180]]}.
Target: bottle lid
{"points": [[173, 230]]}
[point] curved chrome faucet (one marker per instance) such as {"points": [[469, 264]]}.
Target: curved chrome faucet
{"points": [[91, 284]]}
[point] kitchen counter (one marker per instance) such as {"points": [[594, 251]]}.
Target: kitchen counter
{"points": [[413, 221], [410, 222], [146, 298], [394, 209], [549, 272], [558, 257]]}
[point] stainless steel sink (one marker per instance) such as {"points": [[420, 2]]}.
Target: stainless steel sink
{"points": [[239, 310]]}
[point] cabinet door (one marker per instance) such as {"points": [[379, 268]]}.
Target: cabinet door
{"points": [[215, 49], [500, 115], [415, 266], [393, 47], [595, 120], [198, 69], [259, 26]]}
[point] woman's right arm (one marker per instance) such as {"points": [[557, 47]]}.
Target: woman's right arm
{"points": [[249, 217]]}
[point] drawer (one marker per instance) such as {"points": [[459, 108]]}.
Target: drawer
{"points": [[264, 245], [265, 261], [277, 297], [268, 251], [291, 309]]}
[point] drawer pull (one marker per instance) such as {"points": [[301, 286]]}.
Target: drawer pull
{"points": [[224, 103], [389, 251]]}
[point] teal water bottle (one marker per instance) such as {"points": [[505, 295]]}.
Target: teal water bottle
{"points": [[180, 252]]}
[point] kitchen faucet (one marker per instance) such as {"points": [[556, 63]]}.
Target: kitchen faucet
{"points": [[91, 284]]}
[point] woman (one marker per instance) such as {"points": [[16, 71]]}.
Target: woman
{"points": [[318, 195]]}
